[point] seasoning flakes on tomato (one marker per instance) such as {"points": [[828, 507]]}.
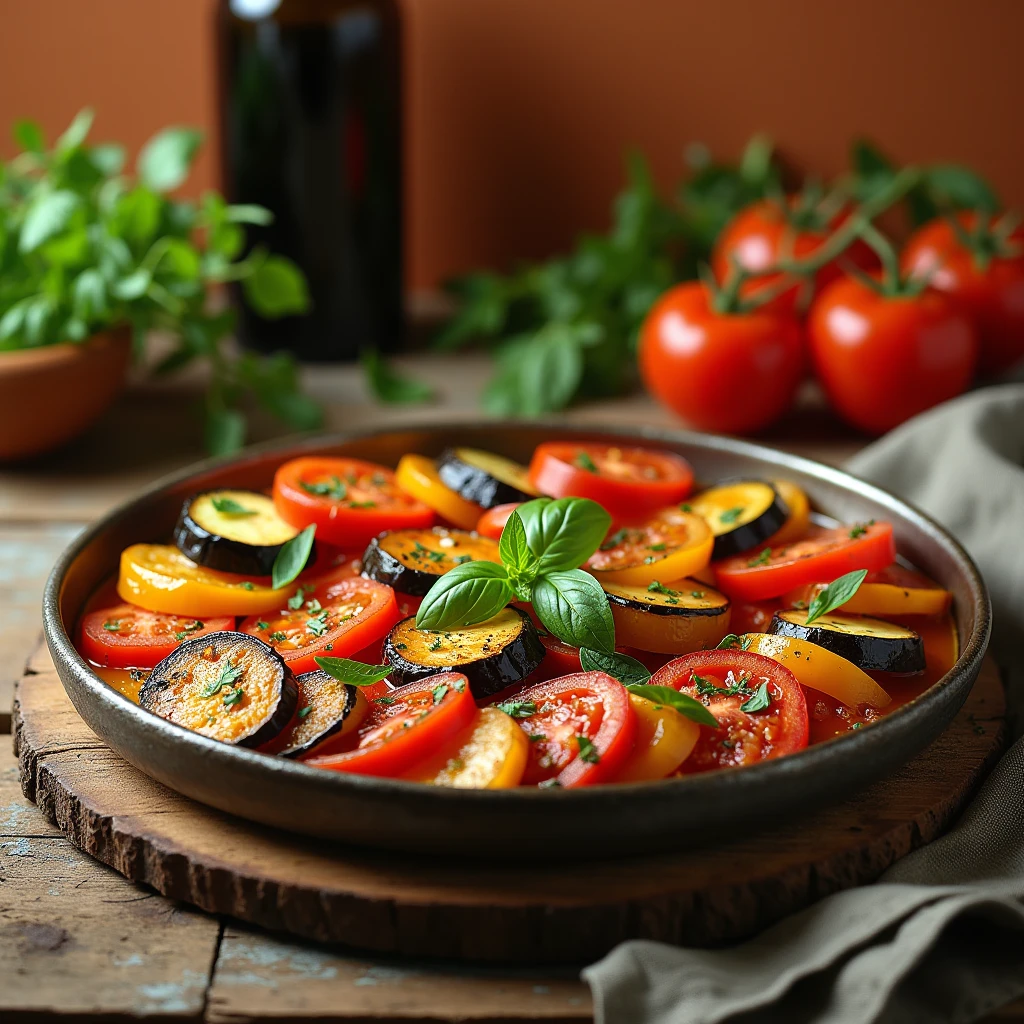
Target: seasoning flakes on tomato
{"points": [[581, 729], [350, 501], [128, 637], [348, 616], [631, 483], [821, 555], [669, 545], [759, 705]]}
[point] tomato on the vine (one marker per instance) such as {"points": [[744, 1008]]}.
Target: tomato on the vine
{"points": [[984, 271], [732, 373], [764, 233], [884, 358]]}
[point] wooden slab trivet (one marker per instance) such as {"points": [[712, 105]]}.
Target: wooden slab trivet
{"points": [[571, 912]]}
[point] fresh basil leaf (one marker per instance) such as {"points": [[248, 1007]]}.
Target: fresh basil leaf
{"points": [[681, 702], [276, 288], [388, 385], [518, 708], [164, 161], [465, 595], [760, 701], [225, 431], [954, 185], [354, 673], [29, 136], [230, 507], [292, 557], [47, 216], [564, 533], [731, 641], [837, 593], [515, 552], [573, 607], [627, 670]]}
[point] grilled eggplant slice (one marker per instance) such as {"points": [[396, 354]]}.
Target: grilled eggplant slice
{"points": [[233, 531], [871, 644], [483, 477], [329, 712], [412, 560], [493, 655], [677, 618], [228, 686], [741, 514]]}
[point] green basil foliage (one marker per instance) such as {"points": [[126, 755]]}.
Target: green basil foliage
{"points": [[292, 558], [837, 593], [85, 246], [355, 673], [681, 702], [627, 670], [540, 547]]}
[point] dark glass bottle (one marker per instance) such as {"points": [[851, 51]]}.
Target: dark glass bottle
{"points": [[311, 129]]}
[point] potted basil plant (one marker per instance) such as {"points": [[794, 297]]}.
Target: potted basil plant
{"points": [[92, 259]]}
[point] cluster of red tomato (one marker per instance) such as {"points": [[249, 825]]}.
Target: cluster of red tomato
{"points": [[885, 343]]}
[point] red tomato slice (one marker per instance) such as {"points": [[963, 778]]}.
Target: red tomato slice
{"points": [[337, 620], [129, 637], [726, 680], [560, 659], [588, 706], [412, 723], [630, 483], [349, 500], [822, 555], [493, 521]]}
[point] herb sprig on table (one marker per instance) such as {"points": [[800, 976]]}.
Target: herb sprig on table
{"points": [[87, 246]]}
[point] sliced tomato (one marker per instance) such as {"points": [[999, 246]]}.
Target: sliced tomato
{"points": [[821, 555], [725, 681], [128, 637], [753, 616], [493, 521], [407, 727], [668, 545], [338, 620], [350, 501], [560, 659], [581, 732], [894, 590], [417, 475], [631, 483]]}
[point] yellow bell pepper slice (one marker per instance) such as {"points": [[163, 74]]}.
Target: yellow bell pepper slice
{"points": [[491, 756], [820, 669], [417, 476], [159, 578], [664, 740], [799, 516]]}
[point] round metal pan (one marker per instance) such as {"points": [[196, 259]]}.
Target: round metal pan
{"points": [[521, 823]]}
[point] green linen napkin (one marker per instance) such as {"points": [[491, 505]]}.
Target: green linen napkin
{"points": [[940, 938]]}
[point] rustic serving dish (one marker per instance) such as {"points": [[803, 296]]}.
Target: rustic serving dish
{"points": [[520, 823]]}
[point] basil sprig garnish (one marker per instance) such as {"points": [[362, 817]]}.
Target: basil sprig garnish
{"points": [[627, 670], [541, 547], [837, 593], [355, 673], [292, 557], [681, 702]]}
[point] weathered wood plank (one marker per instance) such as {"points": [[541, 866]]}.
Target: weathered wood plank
{"points": [[27, 553], [78, 941], [260, 976]]}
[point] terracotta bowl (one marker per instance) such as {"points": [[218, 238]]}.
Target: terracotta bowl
{"points": [[50, 395]]}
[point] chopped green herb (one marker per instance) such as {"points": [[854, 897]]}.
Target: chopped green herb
{"points": [[659, 588], [230, 507], [228, 674], [317, 624], [730, 515], [698, 594], [760, 700], [400, 647], [247, 585], [314, 607], [462, 559], [305, 711], [440, 692], [232, 697], [534, 737], [261, 625], [761, 559], [436, 556], [588, 752], [518, 708], [584, 461], [278, 636], [728, 744], [857, 725], [459, 685], [860, 529], [386, 701], [617, 538], [295, 601], [362, 504], [685, 508], [113, 626], [435, 644], [549, 784], [650, 560], [333, 488]]}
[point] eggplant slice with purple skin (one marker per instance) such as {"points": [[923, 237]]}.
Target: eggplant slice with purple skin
{"points": [[233, 531], [229, 686], [871, 644], [492, 655], [484, 478], [328, 710], [741, 514]]}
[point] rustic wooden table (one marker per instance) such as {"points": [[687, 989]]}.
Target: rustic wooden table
{"points": [[80, 943]]}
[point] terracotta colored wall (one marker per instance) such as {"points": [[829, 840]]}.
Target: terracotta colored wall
{"points": [[519, 110]]}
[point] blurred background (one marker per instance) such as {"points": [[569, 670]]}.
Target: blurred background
{"points": [[398, 146]]}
